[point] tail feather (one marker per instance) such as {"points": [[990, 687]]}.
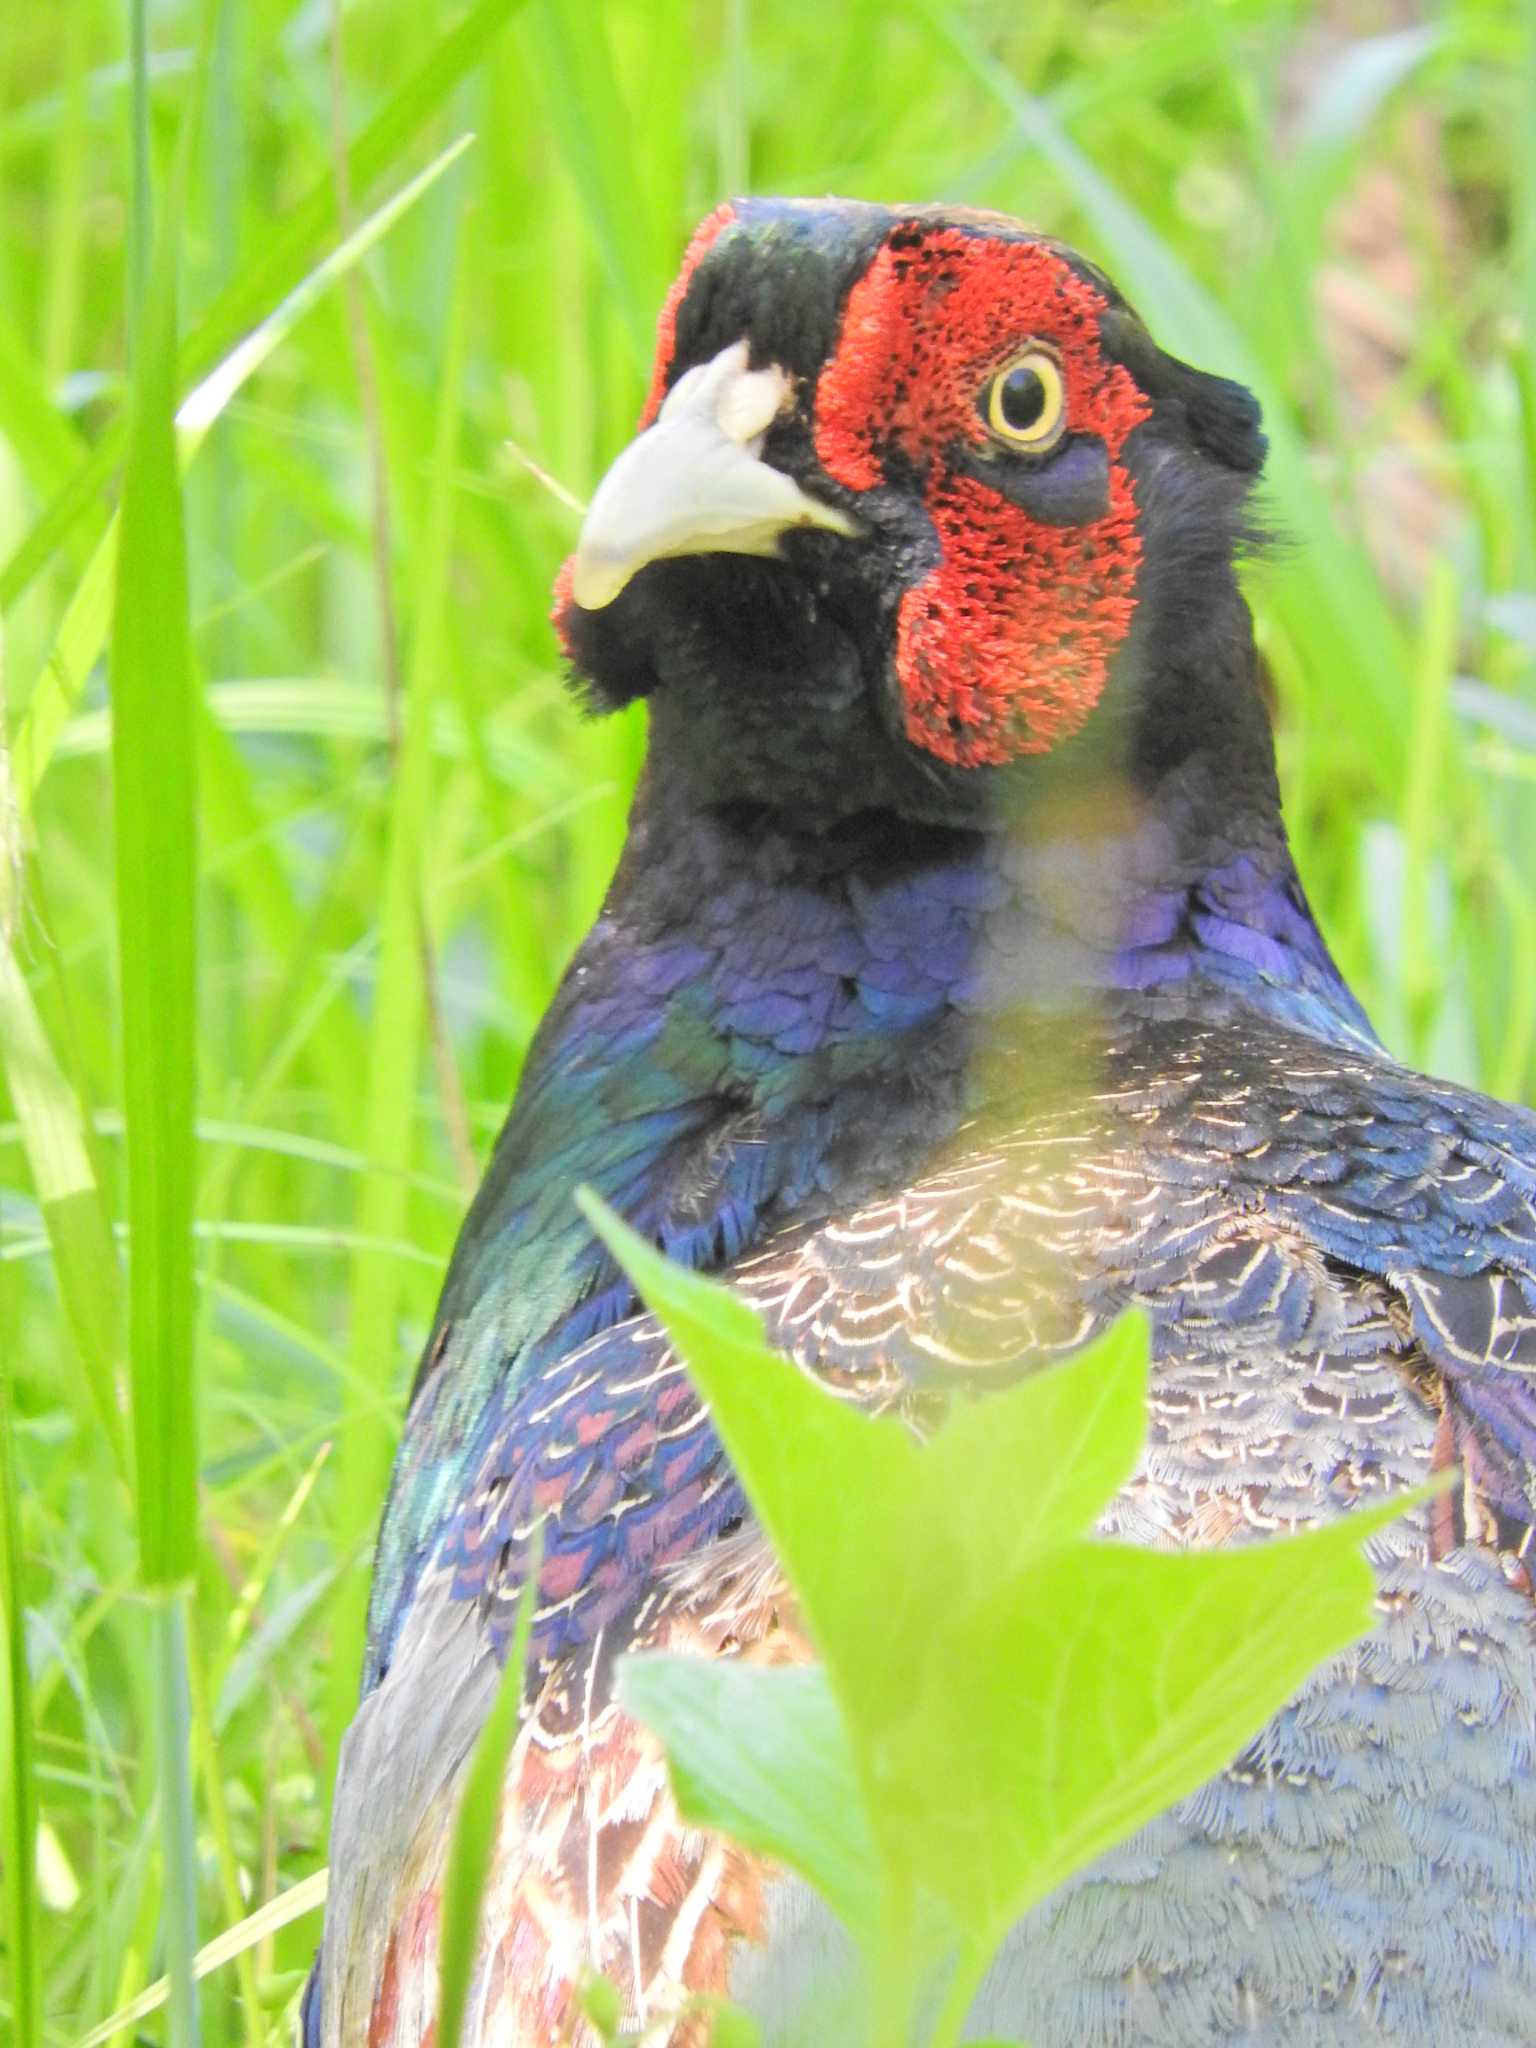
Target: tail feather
{"points": [[593, 1872]]}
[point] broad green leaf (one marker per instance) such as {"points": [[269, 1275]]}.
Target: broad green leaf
{"points": [[603, 2005], [1086, 1426], [1055, 1716], [730, 2028], [795, 1442], [763, 1756], [1016, 1696]]}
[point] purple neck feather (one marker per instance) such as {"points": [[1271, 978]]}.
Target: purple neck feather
{"points": [[792, 942]]}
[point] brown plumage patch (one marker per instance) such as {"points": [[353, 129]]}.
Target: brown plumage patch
{"points": [[594, 1872]]}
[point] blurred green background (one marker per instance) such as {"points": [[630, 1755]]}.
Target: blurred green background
{"points": [[405, 825]]}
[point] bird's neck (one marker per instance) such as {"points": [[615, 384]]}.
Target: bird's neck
{"points": [[794, 941]]}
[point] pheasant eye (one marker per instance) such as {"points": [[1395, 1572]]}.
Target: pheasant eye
{"points": [[1025, 404]]}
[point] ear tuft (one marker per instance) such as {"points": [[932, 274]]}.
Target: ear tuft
{"points": [[1221, 417], [1224, 421]]}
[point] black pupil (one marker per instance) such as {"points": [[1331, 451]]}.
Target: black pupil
{"points": [[1022, 398]]}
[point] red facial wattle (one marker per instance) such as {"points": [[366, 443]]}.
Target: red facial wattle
{"points": [[1004, 648]]}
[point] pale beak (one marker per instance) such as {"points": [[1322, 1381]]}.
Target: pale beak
{"points": [[692, 483]]}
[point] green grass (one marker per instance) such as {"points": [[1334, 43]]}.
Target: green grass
{"points": [[389, 878]]}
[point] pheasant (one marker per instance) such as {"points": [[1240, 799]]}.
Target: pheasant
{"points": [[955, 990]]}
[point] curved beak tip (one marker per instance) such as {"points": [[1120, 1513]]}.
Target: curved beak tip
{"points": [[597, 579]]}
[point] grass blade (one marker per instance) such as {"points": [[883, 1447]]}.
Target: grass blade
{"points": [[308, 1896], [572, 44], [44, 440], [155, 819], [154, 803], [173, 1753], [141, 217], [474, 1833], [398, 1027], [85, 622], [79, 1227], [268, 280], [20, 1837]]}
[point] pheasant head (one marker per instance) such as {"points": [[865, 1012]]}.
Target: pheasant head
{"points": [[918, 516]]}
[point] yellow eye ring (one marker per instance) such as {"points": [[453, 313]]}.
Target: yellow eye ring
{"points": [[1025, 405]]}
